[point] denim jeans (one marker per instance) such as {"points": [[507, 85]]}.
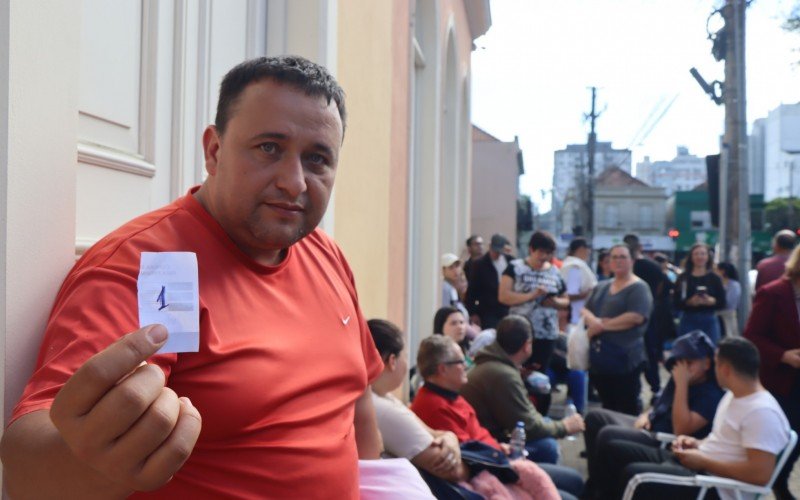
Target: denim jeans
{"points": [[707, 322], [543, 450]]}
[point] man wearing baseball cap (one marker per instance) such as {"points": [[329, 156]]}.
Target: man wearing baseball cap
{"points": [[454, 284]]}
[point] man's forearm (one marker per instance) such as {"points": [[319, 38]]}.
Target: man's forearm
{"points": [[741, 471], [38, 464]]}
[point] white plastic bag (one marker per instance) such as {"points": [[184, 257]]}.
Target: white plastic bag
{"points": [[578, 347]]}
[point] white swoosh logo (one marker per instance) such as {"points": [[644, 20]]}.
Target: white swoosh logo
{"points": [[346, 320]]}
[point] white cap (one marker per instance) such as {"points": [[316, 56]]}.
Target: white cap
{"points": [[449, 259]]}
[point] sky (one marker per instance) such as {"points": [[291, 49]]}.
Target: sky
{"points": [[532, 70]]}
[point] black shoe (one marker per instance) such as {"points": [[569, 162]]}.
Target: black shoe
{"points": [[783, 494]]}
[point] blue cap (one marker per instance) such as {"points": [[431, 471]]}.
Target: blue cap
{"points": [[693, 345]]}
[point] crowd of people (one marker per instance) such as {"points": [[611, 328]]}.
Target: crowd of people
{"points": [[291, 391], [630, 309]]}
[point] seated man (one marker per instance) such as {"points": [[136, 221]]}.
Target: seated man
{"points": [[686, 406], [749, 430], [439, 406], [497, 393]]}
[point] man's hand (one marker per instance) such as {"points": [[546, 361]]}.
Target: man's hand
{"points": [[791, 358], [691, 459], [685, 443], [574, 424], [594, 327], [680, 373], [642, 421], [506, 448], [116, 415]]}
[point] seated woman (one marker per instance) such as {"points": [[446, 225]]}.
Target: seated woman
{"points": [[438, 404], [686, 405], [452, 323], [435, 452]]}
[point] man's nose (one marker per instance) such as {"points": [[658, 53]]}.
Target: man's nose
{"points": [[290, 177]]}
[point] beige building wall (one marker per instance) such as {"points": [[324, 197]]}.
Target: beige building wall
{"points": [[363, 181], [495, 186]]}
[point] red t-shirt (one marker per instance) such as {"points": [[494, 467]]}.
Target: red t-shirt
{"points": [[770, 269], [444, 410], [284, 353]]}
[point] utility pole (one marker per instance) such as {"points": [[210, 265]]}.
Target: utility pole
{"points": [[591, 147], [738, 231]]}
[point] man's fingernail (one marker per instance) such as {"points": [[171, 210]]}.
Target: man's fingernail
{"points": [[186, 401], [157, 334]]}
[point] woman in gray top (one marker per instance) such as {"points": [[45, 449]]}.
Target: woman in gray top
{"points": [[616, 316]]}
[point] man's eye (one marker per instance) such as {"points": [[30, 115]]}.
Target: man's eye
{"points": [[269, 148], [317, 159]]}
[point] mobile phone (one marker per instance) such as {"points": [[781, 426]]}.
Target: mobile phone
{"points": [[701, 290]]}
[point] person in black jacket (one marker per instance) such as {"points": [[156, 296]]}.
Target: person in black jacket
{"points": [[699, 294], [484, 277]]}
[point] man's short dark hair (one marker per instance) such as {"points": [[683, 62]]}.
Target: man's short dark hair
{"points": [[387, 337], [633, 243], [784, 239], [512, 333], [300, 73], [577, 244], [472, 239], [433, 351], [740, 354], [542, 240]]}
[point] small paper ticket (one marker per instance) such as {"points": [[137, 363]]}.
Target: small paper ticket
{"points": [[169, 295]]}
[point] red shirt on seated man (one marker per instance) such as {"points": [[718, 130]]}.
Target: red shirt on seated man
{"points": [[438, 403]]}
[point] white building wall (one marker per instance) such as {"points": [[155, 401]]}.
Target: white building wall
{"points": [[781, 165]]}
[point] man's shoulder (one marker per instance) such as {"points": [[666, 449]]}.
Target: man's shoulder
{"points": [[159, 230]]}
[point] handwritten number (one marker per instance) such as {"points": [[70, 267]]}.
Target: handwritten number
{"points": [[162, 298]]}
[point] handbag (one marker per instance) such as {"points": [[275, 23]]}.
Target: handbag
{"points": [[479, 456], [606, 357], [578, 347]]}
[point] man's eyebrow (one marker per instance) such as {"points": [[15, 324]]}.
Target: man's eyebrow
{"points": [[318, 146], [270, 135]]}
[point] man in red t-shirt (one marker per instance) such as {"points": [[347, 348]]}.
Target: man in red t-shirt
{"points": [[277, 394], [773, 267]]}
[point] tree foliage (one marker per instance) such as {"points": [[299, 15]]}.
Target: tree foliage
{"points": [[792, 23], [779, 216]]}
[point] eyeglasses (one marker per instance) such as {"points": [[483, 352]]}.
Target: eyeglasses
{"points": [[455, 362]]}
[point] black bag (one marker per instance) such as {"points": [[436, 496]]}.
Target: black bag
{"points": [[606, 357], [479, 457]]}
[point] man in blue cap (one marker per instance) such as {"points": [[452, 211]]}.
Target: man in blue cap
{"points": [[685, 406]]}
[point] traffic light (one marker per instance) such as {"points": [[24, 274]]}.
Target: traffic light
{"points": [[674, 233]]}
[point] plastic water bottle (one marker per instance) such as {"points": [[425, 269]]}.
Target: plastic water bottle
{"points": [[518, 441], [569, 411]]}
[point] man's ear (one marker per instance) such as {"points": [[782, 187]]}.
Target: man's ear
{"points": [[211, 145]]}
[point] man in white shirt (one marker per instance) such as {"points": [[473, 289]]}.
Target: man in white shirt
{"points": [[577, 275], [749, 430]]}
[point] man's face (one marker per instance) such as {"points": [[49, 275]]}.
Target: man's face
{"points": [[454, 370], [453, 272], [583, 253], [272, 171], [476, 247]]}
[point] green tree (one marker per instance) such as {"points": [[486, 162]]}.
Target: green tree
{"points": [[792, 23], [780, 216]]}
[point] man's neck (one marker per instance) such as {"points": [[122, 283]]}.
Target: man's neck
{"points": [[494, 255], [743, 387], [442, 383]]}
